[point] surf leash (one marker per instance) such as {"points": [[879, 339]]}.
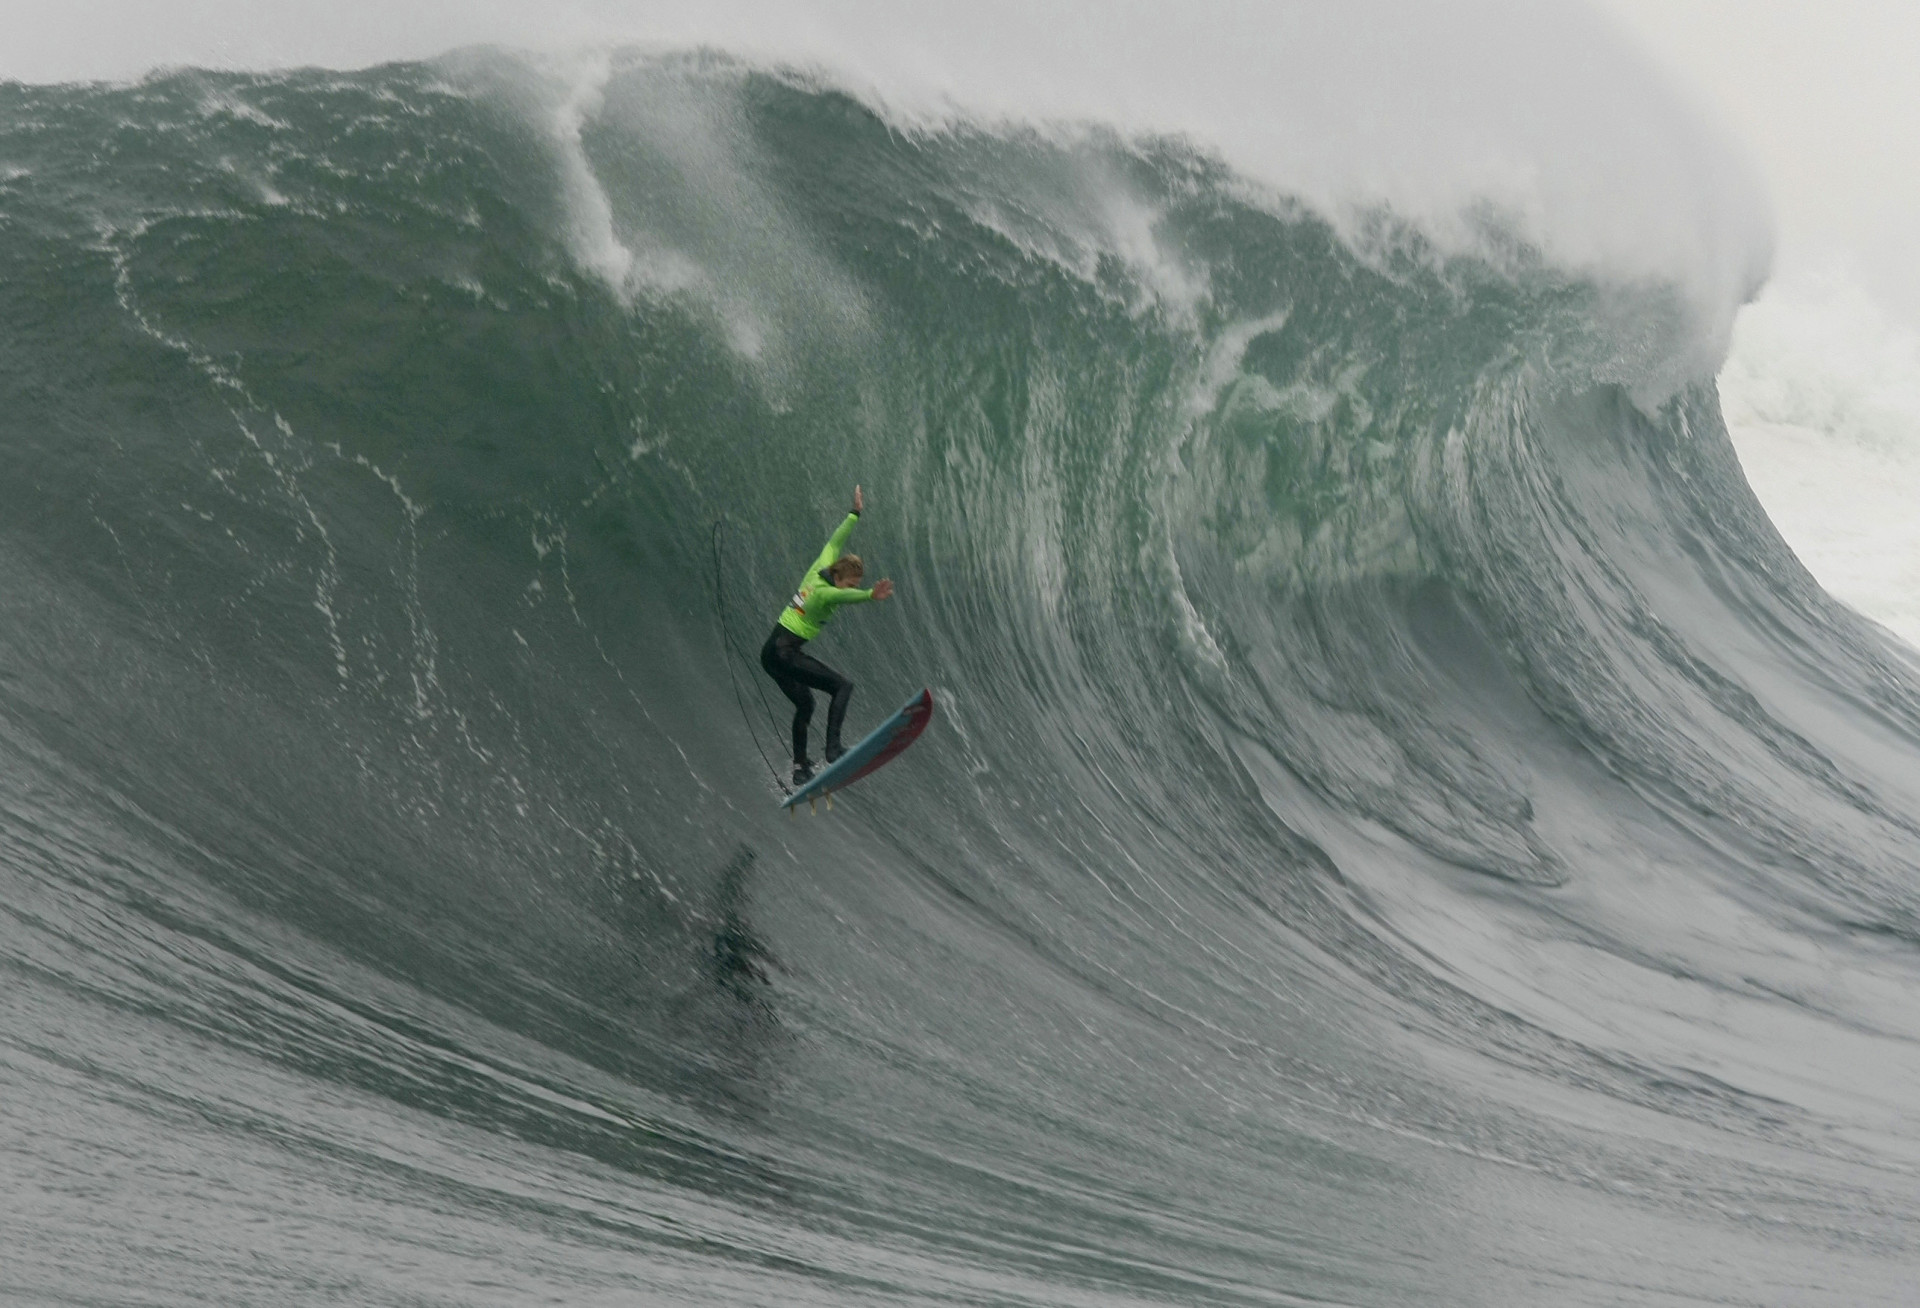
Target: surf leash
{"points": [[733, 655]]}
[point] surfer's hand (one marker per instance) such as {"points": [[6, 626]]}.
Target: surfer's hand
{"points": [[883, 588], [856, 499]]}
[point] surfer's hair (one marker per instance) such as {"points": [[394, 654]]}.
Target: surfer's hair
{"points": [[847, 565]]}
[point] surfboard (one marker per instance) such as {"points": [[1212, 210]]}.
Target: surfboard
{"points": [[875, 749]]}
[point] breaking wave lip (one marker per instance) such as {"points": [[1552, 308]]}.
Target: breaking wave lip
{"points": [[1390, 742], [1384, 102], [1405, 110]]}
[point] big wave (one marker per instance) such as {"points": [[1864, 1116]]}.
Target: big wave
{"points": [[1398, 806]]}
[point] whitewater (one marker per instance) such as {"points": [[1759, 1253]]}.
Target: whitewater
{"points": [[1401, 825]]}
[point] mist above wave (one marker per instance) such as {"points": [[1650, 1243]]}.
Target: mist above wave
{"points": [[1822, 396], [1534, 122]]}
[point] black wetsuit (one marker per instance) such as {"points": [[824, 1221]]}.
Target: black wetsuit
{"points": [[798, 675]]}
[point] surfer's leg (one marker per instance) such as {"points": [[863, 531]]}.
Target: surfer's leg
{"points": [[776, 659], [811, 671], [787, 662], [837, 714], [802, 714]]}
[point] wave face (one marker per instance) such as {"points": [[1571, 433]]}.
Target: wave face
{"points": [[1401, 827]]}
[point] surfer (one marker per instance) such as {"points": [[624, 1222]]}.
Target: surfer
{"points": [[833, 579]]}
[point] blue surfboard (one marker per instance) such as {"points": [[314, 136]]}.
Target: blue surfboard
{"points": [[875, 749]]}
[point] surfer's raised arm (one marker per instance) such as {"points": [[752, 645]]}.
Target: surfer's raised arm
{"points": [[884, 586]]}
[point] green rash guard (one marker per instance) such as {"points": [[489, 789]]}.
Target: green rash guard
{"points": [[813, 604]]}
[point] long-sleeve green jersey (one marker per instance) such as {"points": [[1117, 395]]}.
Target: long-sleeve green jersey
{"points": [[813, 604]]}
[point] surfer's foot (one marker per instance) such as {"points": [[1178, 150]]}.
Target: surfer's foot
{"points": [[834, 752], [803, 772]]}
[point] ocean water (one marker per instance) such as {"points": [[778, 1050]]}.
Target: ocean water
{"points": [[1401, 827]]}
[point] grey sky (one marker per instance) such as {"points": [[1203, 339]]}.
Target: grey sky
{"points": [[1823, 93]]}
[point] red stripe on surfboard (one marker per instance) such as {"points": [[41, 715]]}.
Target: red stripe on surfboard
{"points": [[919, 712]]}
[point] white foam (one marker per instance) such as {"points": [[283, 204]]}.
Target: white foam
{"points": [[216, 104], [1822, 397], [590, 231], [1092, 217], [1536, 114], [1536, 111]]}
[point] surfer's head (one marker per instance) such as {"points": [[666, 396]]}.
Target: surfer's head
{"points": [[848, 571]]}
